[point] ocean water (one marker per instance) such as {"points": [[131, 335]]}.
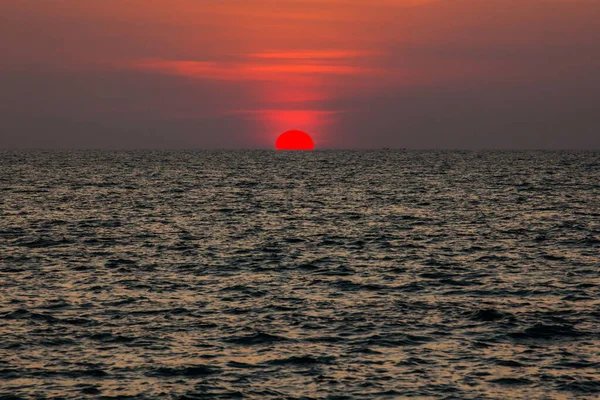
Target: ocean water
{"points": [[317, 275]]}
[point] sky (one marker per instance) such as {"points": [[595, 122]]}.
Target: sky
{"points": [[424, 74]]}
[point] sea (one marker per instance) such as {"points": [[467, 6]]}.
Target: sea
{"points": [[299, 275]]}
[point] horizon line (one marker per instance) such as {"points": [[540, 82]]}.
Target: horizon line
{"points": [[275, 150]]}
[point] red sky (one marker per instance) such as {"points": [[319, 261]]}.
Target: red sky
{"points": [[353, 73]]}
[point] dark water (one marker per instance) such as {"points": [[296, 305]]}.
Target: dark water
{"points": [[325, 275]]}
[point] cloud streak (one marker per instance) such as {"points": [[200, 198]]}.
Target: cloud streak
{"points": [[242, 71], [265, 66]]}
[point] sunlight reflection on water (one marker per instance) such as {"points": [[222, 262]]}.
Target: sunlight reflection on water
{"points": [[269, 275]]}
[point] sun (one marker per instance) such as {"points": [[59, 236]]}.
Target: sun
{"points": [[294, 140]]}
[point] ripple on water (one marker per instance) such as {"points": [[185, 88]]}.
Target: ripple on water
{"points": [[322, 275]]}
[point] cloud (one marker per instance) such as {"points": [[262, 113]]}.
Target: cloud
{"points": [[313, 54], [277, 66]]}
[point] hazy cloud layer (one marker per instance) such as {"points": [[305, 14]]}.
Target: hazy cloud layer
{"points": [[364, 74]]}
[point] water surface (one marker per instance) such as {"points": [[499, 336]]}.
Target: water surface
{"points": [[319, 275]]}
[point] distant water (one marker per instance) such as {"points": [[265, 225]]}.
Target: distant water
{"points": [[321, 275]]}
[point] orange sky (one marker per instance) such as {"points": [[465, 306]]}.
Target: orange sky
{"points": [[330, 67]]}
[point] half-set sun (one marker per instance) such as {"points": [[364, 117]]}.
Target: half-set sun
{"points": [[294, 140]]}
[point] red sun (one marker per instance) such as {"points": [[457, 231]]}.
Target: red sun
{"points": [[294, 140]]}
